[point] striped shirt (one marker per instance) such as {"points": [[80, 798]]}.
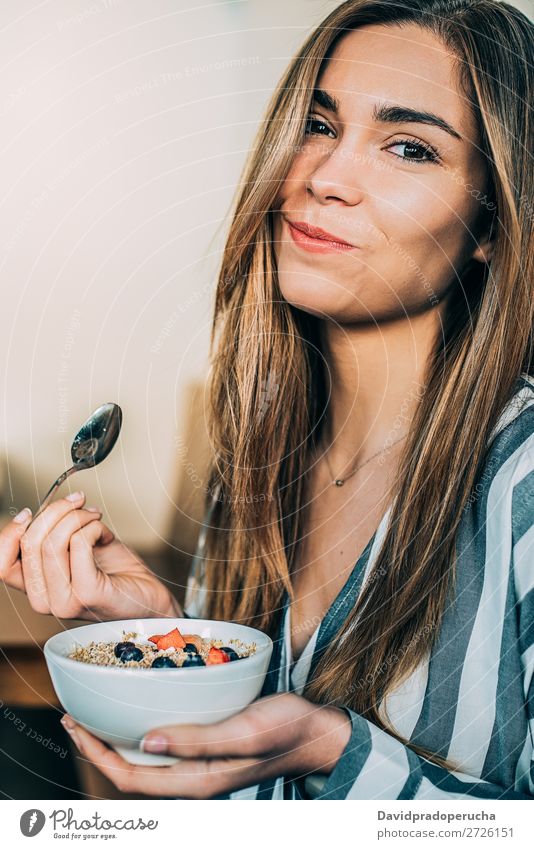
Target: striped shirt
{"points": [[472, 699]]}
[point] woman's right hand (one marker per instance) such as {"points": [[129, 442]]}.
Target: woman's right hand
{"points": [[70, 565]]}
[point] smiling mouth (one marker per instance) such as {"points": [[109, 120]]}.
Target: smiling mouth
{"points": [[314, 243]]}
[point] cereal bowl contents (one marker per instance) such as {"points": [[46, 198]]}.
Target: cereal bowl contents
{"points": [[163, 651], [122, 679]]}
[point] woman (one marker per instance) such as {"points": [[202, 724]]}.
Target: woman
{"points": [[372, 413]]}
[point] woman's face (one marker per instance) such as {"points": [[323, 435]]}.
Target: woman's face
{"points": [[405, 190]]}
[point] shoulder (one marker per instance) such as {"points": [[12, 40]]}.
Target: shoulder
{"points": [[504, 487], [511, 446], [500, 510], [509, 468]]}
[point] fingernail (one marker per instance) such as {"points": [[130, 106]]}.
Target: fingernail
{"points": [[67, 722], [93, 509], [158, 745], [74, 496], [23, 516]]}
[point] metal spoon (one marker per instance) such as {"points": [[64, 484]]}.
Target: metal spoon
{"points": [[90, 446]]}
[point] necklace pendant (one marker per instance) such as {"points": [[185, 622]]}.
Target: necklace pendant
{"points": [[339, 482]]}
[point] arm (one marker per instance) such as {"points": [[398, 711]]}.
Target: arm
{"points": [[375, 765]]}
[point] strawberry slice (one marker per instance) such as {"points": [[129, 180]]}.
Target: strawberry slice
{"points": [[172, 640], [216, 656]]}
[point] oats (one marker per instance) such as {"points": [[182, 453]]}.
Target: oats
{"points": [[103, 654]]}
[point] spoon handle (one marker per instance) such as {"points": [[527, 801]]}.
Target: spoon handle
{"points": [[51, 491]]}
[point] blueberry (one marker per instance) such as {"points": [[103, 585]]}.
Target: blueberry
{"points": [[233, 655], [120, 647], [162, 662], [131, 653], [190, 647], [193, 660]]}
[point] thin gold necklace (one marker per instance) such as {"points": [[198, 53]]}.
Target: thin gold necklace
{"points": [[341, 481]]}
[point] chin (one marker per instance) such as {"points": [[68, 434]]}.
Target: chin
{"points": [[318, 297], [335, 303]]}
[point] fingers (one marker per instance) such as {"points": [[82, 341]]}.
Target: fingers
{"points": [[188, 779], [10, 537], [86, 578], [62, 560], [233, 737], [107, 760], [33, 541], [214, 758], [266, 726]]}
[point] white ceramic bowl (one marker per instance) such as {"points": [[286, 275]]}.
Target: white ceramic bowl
{"points": [[121, 705]]}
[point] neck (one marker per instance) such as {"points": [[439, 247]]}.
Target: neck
{"points": [[377, 378]]}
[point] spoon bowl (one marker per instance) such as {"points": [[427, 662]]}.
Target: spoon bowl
{"points": [[96, 437], [90, 446]]}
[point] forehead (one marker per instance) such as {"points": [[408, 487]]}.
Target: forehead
{"points": [[402, 64]]}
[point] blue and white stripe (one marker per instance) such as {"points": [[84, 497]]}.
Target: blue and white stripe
{"points": [[472, 699]]}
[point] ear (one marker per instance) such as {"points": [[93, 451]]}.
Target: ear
{"points": [[483, 251], [485, 243]]}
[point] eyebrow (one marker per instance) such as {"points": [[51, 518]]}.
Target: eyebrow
{"points": [[390, 114]]}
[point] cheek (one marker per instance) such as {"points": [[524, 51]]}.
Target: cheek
{"points": [[430, 226], [418, 231]]}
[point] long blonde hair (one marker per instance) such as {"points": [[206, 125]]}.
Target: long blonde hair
{"points": [[268, 387]]}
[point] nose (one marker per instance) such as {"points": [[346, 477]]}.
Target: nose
{"points": [[337, 177]]}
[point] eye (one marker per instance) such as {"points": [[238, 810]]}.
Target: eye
{"points": [[415, 151], [316, 126]]}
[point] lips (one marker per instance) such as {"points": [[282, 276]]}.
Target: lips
{"points": [[318, 233], [325, 243]]}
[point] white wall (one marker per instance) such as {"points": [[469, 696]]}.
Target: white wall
{"points": [[125, 125], [124, 129]]}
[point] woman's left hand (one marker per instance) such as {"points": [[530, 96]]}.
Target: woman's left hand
{"points": [[283, 734]]}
